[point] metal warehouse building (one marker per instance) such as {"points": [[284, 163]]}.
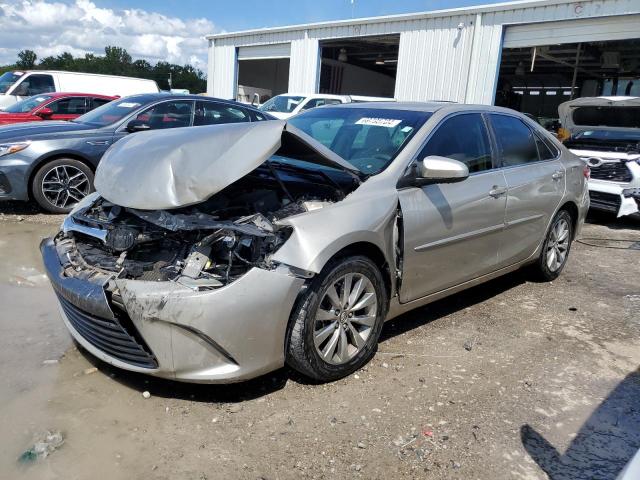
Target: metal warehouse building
{"points": [[527, 55]]}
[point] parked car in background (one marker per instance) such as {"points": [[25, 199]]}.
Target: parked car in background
{"points": [[17, 85], [53, 162], [294, 241], [287, 105], [605, 133], [52, 106]]}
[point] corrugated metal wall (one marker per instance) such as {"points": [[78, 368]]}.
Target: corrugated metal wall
{"points": [[437, 60]]}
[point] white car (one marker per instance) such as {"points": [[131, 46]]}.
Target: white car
{"points": [[289, 104], [605, 132], [17, 85]]}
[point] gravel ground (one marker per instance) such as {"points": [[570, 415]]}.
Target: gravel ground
{"points": [[511, 379]]}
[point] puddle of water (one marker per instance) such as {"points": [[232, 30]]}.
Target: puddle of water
{"points": [[20, 261]]}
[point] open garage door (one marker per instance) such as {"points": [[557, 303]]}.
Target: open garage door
{"points": [[263, 70], [360, 65], [589, 57]]}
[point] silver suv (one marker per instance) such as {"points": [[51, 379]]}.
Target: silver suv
{"points": [[219, 253]]}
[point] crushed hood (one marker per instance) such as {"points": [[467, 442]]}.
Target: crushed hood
{"points": [[565, 110], [165, 169]]}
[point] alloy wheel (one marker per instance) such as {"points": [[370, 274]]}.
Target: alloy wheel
{"points": [[558, 245], [65, 185], [345, 318]]}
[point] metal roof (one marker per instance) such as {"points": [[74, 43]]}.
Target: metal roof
{"points": [[398, 17]]}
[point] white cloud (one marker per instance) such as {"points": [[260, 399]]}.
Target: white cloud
{"points": [[50, 27]]}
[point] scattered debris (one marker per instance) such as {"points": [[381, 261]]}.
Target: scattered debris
{"points": [[427, 432], [51, 362], [385, 365], [43, 445], [89, 371], [235, 408], [362, 445], [146, 394]]}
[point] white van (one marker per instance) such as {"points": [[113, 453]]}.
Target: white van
{"points": [[17, 85]]}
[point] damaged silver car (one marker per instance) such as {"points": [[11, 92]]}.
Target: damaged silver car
{"points": [[219, 253]]}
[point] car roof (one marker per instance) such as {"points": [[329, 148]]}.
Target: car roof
{"points": [[150, 97], [429, 107], [77, 94]]}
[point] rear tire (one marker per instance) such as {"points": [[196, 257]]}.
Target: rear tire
{"points": [[555, 249], [333, 333], [59, 185]]}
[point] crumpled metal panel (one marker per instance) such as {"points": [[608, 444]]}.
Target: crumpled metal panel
{"points": [[178, 167]]}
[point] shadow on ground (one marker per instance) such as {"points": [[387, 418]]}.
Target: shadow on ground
{"points": [[604, 444]]}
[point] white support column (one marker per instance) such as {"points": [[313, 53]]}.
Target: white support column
{"points": [[304, 65]]}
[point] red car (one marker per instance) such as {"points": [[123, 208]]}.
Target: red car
{"points": [[52, 106]]}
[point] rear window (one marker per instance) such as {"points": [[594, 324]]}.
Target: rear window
{"points": [[625, 117]]}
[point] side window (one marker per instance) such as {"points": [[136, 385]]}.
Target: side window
{"points": [[257, 116], [516, 141], [213, 113], [69, 106], [98, 102], [168, 115], [35, 85], [464, 138], [545, 150]]}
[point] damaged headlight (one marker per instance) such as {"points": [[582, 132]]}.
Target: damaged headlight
{"points": [[9, 148]]}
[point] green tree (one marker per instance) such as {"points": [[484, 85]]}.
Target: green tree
{"points": [[26, 59], [116, 61]]}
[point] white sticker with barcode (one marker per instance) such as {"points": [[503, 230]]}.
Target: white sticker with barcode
{"points": [[379, 122]]}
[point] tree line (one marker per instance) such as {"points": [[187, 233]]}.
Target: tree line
{"points": [[115, 61]]}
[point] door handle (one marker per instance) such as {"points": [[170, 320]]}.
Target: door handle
{"points": [[557, 175], [497, 191]]}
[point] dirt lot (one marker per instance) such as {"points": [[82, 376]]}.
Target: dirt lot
{"points": [[509, 380]]}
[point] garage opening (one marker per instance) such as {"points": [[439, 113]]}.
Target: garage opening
{"points": [[360, 65], [535, 80], [263, 71]]}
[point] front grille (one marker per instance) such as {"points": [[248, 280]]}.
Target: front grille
{"points": [[110, 336], [612, 171], [605, 201]]}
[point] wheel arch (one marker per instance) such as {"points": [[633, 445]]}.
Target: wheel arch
{"points": [[50, 158], [572, 209]]}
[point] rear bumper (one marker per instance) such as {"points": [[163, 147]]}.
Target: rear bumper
{"points": [[230, 334]]}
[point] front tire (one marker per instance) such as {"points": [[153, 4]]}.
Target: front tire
{"points": [[556, 246], [59, 185], [337, 321]]}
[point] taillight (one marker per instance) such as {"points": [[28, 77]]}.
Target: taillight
{"points": [[586, 171]]}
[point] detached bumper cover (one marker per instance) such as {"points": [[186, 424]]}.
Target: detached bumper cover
{"points": [[229, 334], [614, 198]]}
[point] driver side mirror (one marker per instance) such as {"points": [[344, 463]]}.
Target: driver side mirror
{"points": [[44, 112], [435, 169], [137, 126]]}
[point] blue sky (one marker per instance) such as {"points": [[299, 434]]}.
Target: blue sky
{"points": [[247, 14]]}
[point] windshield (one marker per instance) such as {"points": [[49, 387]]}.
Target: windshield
{"points": [[28, 104], [625, 117], [109, 113], [281, 103], [616, 140], [7, 79], [368, 138]]}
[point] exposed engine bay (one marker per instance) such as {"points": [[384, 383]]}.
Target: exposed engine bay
{"points": [[207, 245]]}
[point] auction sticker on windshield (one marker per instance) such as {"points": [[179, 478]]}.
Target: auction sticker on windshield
{"points": [[379, 122], [128, 105]]}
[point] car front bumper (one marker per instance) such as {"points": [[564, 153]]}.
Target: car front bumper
{"points": [[14, 178], [225, 335]]}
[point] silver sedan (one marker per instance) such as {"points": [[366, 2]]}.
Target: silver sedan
{"points": [[219, 253]]}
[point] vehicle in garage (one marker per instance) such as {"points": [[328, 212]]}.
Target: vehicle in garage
{"points": [[290, 104], [53, 163], [18, 85], [605, 133], [52, 106], [293, 241]]}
